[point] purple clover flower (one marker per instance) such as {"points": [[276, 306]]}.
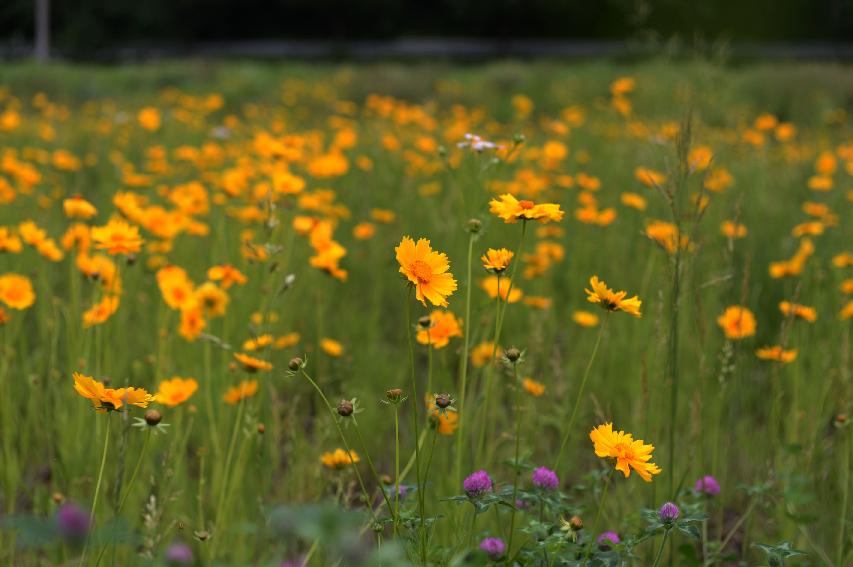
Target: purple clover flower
{"points": [[544, 477], [493, 546], [72, 522], [477, 484], [606, 539], [668, 513], [707, 485], [179, 554]]}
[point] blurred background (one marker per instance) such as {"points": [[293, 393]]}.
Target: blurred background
{"points": [[121, 29]]}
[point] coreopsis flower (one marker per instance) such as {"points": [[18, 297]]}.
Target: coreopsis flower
{"points": [[78, 208], [16, 291], [610, 300], [795, 265], [537, 302], [444, 419], [252, 364], [629, 454], [776, 353], [666, 235], [494, 286], [339, 459], [384, 216], [9, 242], [718, 179], [101, 312], [843, 260], [117, 237], [732, 229], [364, 231], [443, 326], [175, 286], [227, 275], [811, 228], [511, 210], [532, 387], [585, 318], [483, 352], [212, 299], [109, 399], [258, 343], [633, 200], [737, 322], [496, 261], [287, 340], [846, 311], [426, 270], [331, 347], [649, 177], [176, 391], [149, 118], [245, 389], [192, 320], [798, 311]]}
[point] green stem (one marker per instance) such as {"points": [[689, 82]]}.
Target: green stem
{"points": [[372, 467], [460, 439], [97, 487], [579, 396], [223, 487], [845, 495], [135, 471], [515, 463], [601, 502], [660, 549], [396, 468], [415, 403]]}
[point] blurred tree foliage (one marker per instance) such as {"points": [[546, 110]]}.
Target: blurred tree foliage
{"points": [[87, 26]]}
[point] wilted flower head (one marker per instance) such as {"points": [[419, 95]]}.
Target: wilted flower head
{"points": [[494, 546], [543, 477], [707, 485], [669, 513], [477, 483]]}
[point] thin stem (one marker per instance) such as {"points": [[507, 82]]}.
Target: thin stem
{"points": [[601, 502], [135, 471], [415, 403], [396, 467], [661, 548], [463, 374], [97, 487], [845, 495], [372, 467], [223, 487], [579, 395], [515, 463]]}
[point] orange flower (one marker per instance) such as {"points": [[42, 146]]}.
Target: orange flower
{"points": [[611, 300], [427, 270], [251, 364], [331, 347], [117, 237], [364, 230], [483, 352], [585, 318], [16, 291], [776, 353], [212, 299], [496, 261], [246, 389], [175, 286], [493, 285], [176, 391], [227, 274], [510, 209], [101, 311], [799, 311], [731, 229], [108, 399], [192, 320], [633, 200], [339, 458], [737, 322], [629, 454], [443, 326], [149, 118], [78, 208], [534, 388], [9, 242]]}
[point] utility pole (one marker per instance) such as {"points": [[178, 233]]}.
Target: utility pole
{"points": [[42, 35]]}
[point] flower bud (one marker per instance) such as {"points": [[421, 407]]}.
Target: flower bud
{"points": [[345, 408], [576, 523], [295, 364], [394, 394], [443, 400], [475, 226], [425, 322], [153, 417], [668, 513], [512, 354], [262, 428]]}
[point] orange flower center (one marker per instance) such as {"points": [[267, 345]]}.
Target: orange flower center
{"points": [[422, 271], [624, 451], [525, 204]]}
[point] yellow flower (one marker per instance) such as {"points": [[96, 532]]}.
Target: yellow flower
{"points": [[633, 200], [117, 237], [483, 352], [585, 318], [331, 347], [445, 422], [258, 343], [16, 291], [737, 322], [245, 389], [108, 399], [212, 299], [101, 311], [776, 353], [731, 229], [443, 326], [364, 230], [192, 320], [846, 311], [426, 270], [78, 208], [227, 274], [496, 260], [175, 286], [149, 118], [339, 459], [666, 235], [533, 387], [629, 454], [287, 340], [176, 391], [9, 242], [610, 300], [510, 209], [494, 285], [649, 177], [799, 311], [251, 364]]}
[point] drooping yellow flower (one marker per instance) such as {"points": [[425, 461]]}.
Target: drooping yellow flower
{"points": [[496, 261], [610, 300], [510, 209], [629, 454], [252, 364], [176, 391], [339, 459], [16, 291], [443, 326], [799, 311], [776, 353], [117, 237], [78, 208], [427, 270], [245, 389], [737, 322]]}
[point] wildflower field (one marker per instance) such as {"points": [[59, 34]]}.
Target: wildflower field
{"points": [[287, 315]]}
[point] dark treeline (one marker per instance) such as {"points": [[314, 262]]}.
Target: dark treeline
{"points": [[81, 26]]}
